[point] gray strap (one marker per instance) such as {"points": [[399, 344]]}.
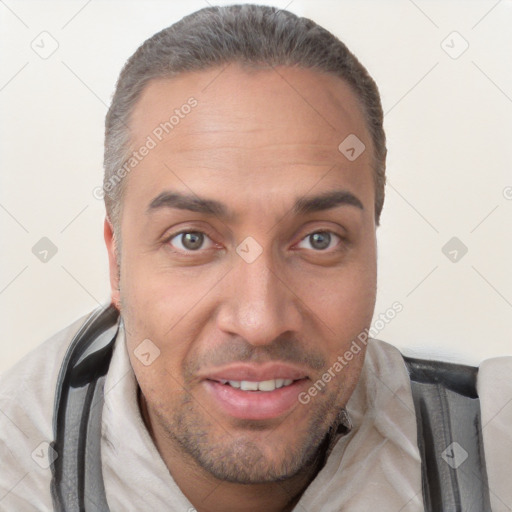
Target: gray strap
{"points": [[77, 480], [454, 476]]}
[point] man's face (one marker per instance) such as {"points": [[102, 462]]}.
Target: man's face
{"points": [[263, 285]]}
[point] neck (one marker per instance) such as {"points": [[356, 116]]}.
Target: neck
{"points": [[208, 494]]}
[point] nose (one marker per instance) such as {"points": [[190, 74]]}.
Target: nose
{"points": [[258, 303]]}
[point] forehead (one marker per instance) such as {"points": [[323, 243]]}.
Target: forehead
{"points": [[263, 129], [321, 105]]}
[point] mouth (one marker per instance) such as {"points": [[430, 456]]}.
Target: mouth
{"points": [[264, 385], [256, 393]]}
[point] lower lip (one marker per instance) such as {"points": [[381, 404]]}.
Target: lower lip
{"points": [[255, 405]]}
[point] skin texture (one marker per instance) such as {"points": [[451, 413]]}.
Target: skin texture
{"points": [[256, 141]]}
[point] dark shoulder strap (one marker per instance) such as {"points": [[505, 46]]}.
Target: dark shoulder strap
{"points": [[77, 480], [454, 476]]}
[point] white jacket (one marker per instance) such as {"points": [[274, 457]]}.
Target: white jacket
{"points": [[375, 467]]}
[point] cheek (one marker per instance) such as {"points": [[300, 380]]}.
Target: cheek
{"points": [[160, 305], [346, 297], [156, 297], [343, 300]]}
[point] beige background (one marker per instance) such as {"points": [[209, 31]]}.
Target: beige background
{"points": [[449, 127]]}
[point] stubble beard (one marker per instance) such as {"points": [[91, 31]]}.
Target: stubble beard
{"points": [[236, 457]]}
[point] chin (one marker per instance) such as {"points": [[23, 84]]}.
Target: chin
{"points": [[251, 455]]}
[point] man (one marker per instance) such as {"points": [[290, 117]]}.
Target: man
{"points": [[244, 181]]}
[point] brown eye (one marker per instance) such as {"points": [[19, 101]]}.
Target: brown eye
{"points": [[190, 241]]}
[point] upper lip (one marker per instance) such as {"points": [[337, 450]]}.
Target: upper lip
{"points": [[256, 373]]}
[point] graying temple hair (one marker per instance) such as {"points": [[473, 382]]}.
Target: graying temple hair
{"points": [[246, 34]]}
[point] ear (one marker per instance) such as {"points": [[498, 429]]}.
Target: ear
{"points": [[110, 242]]}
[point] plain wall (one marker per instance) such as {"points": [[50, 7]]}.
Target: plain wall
{"points": [[448, 123]]}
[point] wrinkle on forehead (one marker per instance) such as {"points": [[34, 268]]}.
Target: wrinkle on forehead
{"points": [[241, 107]]}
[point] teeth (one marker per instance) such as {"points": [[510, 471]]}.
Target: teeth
{"points": [[265, 385], [247, 385]]}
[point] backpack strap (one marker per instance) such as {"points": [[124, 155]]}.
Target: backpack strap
{"points": [[454, 476], [77, 480]]}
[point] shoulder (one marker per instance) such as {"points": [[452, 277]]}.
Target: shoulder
{"points": [[27, 394], [494, 385], [497, 370], [383, 357], [34, 377]]}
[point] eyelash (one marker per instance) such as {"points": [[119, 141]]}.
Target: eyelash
{"points": [[187, 252], [167, 241], [323, 231]]}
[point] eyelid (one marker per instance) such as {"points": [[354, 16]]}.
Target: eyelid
{"points": [[331, 232], [169, 237], [321, 225], [185, 227]]}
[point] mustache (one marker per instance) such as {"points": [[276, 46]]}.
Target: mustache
{"points": [[238, 350]]}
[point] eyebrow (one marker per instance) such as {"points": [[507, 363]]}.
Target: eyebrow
{"points": [[326, 201], [188, 202], [303, 205]]}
